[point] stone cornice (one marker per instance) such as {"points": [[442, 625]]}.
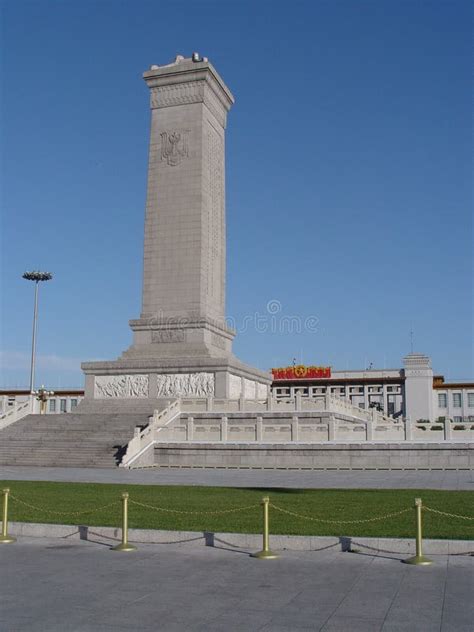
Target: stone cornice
{"points": [[185, 86], [185, 72], [178, 323]]}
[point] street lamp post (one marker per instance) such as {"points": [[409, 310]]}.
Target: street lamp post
{"points": [[42, 395], [35, 276]]}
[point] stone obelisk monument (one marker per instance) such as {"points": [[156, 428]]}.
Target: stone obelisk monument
{"points": [[182, 345]]}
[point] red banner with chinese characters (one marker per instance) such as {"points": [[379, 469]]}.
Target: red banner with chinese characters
{"points": [[301, 372]]}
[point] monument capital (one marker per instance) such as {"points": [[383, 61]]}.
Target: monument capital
{"points": [[187, 81]]}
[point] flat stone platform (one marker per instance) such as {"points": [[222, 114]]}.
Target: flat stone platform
{"points": [[454, 480], [58, 585]]}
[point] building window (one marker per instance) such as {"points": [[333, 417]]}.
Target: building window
{"points": [[457, 420], [442, 400], [52, 405], [457, 400], [470, 400], [391, 408], [63, 405], [73, 403]]}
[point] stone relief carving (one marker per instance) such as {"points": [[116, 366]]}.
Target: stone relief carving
{"points": [[249, 389], [121, 386], [168, 335], [262, 391], [185, 385], [178, 94], [195, 92], [174, 146], [235, 386]]}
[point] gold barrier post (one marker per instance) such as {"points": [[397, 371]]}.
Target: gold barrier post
{"points": [[265, 553], [124, 545], [5, 537], [419, 558]]}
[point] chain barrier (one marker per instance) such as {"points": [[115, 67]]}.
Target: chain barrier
{"points": [[64, 513], [195, 513], [445, 513], [360, 521]]}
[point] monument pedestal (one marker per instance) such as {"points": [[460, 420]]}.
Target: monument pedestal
{"points": [[148, 380]]}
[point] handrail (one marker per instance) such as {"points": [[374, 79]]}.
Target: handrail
{"points": [[16, 413]]}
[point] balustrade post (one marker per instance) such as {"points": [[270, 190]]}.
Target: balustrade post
{"points": [[447, 429], [298, 402], [224, 427], [189, 428], [369, 427], [327, 399], [294, 428], [259, 428], [331, 428]]}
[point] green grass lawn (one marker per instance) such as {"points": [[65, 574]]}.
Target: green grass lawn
{"points": [[330, 504]]}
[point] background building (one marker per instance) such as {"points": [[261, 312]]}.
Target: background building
{"points": [[63, 400], [411, 391]]}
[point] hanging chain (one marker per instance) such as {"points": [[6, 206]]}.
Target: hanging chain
{"points": [[63, 513], [297, 515], [445, 513], [194, 513]]}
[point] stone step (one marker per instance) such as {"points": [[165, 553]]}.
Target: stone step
{"points": [[70, 439]]}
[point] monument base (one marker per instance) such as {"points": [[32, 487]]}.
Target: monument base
{"points": [[146, 383]]}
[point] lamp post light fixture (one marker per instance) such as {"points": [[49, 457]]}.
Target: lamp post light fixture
{"points": [[42, 395], [35, 276]]}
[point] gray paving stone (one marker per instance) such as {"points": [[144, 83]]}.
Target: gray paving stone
{"points": [[54, 585], [351, 624]]}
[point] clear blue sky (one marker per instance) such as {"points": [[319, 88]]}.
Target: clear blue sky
{"points": [[348, 176]]}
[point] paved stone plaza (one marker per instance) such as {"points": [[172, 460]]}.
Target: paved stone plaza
{"points": [[454, 480], [59, 585]]}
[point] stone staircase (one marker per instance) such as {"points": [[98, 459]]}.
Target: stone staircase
{"points": [[68, 440]]}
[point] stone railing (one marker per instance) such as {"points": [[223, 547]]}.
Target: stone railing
{"points": [[17, 412], [144, 439], [269, 428], [294, 427], [339, 405], [158, 429], [446, 430], [280, 421]]}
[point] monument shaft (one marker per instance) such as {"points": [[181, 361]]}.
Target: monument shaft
{"points": [[184, 253]]}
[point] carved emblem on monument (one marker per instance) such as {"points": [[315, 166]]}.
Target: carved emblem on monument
{"points": [[174, 146]]}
